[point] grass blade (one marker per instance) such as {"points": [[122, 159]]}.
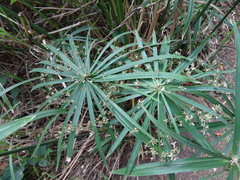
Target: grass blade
{"points": [[135, 150], [94, 126], [188, 18], [141, 61], [181, 165], [236, 138], [18, 84], [142, 75], [79, 101], [168, 108], [67, 61], [11, 164], [9, 128]]}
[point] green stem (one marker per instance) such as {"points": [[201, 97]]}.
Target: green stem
{"points": [[7, 152]]}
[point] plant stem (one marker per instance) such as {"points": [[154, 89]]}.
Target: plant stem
{"points": [[6, 151]]}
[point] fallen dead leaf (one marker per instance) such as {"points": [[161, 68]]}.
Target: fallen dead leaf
{"points": [[3, 166], [218, 134]]}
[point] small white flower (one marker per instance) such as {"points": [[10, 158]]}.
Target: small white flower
{"points": [[181, 87]]}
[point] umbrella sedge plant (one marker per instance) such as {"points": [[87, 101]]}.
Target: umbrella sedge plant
{"points": [[78, 79], [95, 87], [171, 112]]}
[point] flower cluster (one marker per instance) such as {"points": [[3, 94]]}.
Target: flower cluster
{"points": [[188, 116], [170, 155], [190, 69], [102, 119], [151, 150]]}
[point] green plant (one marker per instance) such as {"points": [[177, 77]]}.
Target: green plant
{"points": [[226, 158], [93, 82], [88, 87], [98, 85], [41, 157], [17, 171]]}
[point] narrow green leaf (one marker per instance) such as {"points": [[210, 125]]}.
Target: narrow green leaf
{"points": [[40, 13], [11, 37], [136, 148], [233, 174], [79, 99], [188, 18], [236, 138], [143, 52], [65, 90], [181, 165], [201, 88], [5, 99], [63, 130], [170, 113], [94, 126], [139, 62], [9, 128], [194, 54], [74, 53], [137, 114], [35, 27], [109, 60], [8, 110], [11, 167], [50, 83], [102, 53], [203, 10], [142, 75], [192, 129], [13, 1], [209, 73], [18, 84], [42, 114], [63, 57], [216, 102]]}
